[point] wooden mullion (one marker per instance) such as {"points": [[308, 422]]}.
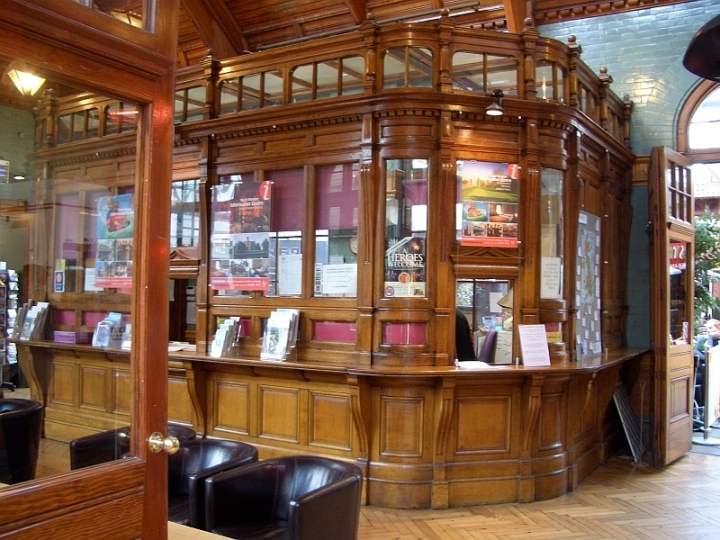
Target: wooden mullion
{"points": [[308, 237], [553, 70], [485, 73], [407, 66]]}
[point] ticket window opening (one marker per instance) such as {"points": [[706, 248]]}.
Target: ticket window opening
{"points": [[484, 322]]}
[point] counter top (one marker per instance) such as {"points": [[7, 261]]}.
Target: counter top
{"points": [[591, 365]]}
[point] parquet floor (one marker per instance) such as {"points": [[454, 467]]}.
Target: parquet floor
{"points": [[618, 501]]}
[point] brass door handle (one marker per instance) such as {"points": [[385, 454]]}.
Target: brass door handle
{"points": [[157, 442]]}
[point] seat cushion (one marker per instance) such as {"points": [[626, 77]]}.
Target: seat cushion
{"points": [[179, 510], [276, 530]]}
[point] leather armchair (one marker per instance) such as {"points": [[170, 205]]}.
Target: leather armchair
{"points": [[20, 425], [114, 444], [299, 498], [187, 470]]}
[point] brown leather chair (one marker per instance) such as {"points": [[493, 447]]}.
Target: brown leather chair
{"points": [[187, 470], [20, 425], [299, 498], [114, 444]]}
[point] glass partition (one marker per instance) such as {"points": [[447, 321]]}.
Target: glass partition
{"points": [[406, 199], [130, 12], [551, 234], [336, 224], [407, 67], [185, 214], [479, 72], [680, 288]]}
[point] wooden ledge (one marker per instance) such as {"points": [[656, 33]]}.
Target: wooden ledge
{"points": [[592, 365]]}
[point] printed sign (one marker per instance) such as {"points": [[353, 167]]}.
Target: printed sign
{"points": [[115, 228]]}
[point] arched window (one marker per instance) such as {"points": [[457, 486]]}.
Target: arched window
{"points": [[698, 137]]}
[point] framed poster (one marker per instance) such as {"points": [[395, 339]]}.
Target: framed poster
{"points": [[115, 229], [490, 203], [588, 328]]}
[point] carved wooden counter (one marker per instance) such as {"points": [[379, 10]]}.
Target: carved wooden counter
{"points": [[424, 436]]}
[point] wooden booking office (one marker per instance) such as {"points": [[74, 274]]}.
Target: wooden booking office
{"points": [[386, 184]]}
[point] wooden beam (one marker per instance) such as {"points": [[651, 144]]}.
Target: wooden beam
{"points": [[217, 27], [515, 13], [358, 10]]}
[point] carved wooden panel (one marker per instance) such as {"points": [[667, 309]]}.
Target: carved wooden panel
{"points": [[63, 382], [552, 422], [679, 392], [330, 421], [483, 424], [401, 426], [93, 387], [229, 402], [179, 405], [278, 414]]}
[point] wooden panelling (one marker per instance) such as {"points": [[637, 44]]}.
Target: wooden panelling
{"points": [[63, 379], [330, 421], [230, 406], [401, 426], [552, 423], [180, 407], [123, 391], [679, 403], [93, 390], [279, 414], [483, 424]]}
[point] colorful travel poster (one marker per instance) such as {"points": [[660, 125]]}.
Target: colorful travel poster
{"points": [[405, 268], [240, 245], [115, 228], [490, 203]]}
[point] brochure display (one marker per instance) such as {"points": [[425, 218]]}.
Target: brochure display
{"points": [[588, 331], [115, 228], [240, 243], [490, 199], [280, 334], [405, 268], [9, 293]]}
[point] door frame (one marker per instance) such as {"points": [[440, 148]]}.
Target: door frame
{"points": [[673, 362], [82, 47]]}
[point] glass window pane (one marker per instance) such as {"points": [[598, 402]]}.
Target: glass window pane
{"points": [[704, 123], [272, 89], [336, 223], [327, 79], [421, 68], [302, 83], [560, 88], [93, 123], [406, 183], [196, 107], [229, 96], [679, 293], [353, 75], [184, 214], [130, 12], [394, 68], [544, 80], [502, 74], [551, 234], [486, 305], [112, 124], [179, 106], [468, 71], [250, 92], [128, 117], [64, 124]]}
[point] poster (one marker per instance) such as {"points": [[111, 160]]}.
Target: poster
{"points": [[405, 268], [115, 228], [240, 243], [588, 330], [490, 203]]}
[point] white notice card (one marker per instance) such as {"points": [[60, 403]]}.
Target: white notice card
{"points": [[534, 345]]}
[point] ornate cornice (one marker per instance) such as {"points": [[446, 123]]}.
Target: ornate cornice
{"points": [[93, 156], [552, 11]]}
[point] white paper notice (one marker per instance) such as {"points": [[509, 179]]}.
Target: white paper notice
{"points": [[89, 285], [550, 273], [339, 280], [534, 345], [290, 274], [503, 347]]}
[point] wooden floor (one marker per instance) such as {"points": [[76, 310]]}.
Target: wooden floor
{"points": [[618, 501]]}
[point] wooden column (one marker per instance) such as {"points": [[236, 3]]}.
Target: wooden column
{"points": [[211, 69], [605, 81], [571, 212], [530, 37], [445, 37], [530, 271], [627, 116], [208, 178], [573, 56]]}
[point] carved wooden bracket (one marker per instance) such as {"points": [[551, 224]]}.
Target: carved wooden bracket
{"points": [[532, 410]]}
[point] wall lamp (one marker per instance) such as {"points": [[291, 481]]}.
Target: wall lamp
{"points": [[495, 108], [25, 81]]}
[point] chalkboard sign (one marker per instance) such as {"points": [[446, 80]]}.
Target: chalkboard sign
{"points": [[630, 422]]}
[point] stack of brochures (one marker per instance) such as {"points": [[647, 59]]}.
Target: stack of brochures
{"points": [[226, 336], [30, 321], [280, 335]]}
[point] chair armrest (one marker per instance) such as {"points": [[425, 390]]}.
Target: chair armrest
{"points": [[242, 494], [330, 512], [196, 486]]}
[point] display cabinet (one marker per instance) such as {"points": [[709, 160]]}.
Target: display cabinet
{"points": [[359, 179]]}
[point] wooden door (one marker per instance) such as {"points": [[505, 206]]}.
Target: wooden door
{"points": [[671, 213], [79, 46]]}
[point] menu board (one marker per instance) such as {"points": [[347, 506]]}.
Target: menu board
{"points": [[405, 268], [588, 331], [240, 243], [115, 228], [490, 203]]}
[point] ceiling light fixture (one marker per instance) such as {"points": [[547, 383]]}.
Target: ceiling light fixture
{"points": [[26, 82], [495, 108]]}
